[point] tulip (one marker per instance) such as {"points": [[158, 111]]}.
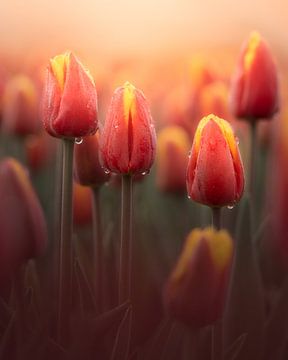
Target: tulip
{"points": [[128, 139], [39, 150], [196, 290], [69, 106], [172, 159], [215, 172], [19, 206], [254, 91], [87, 169], [213, 98], [82, 205], [20, 107]]}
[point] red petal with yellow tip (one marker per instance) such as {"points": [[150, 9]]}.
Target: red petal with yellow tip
{"points": [[69, 109]]}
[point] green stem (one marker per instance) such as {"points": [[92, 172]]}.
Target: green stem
{"points": [[126, 240], [252, 179], [97, 250], [216, 217], [65, 245], [253, 149]]}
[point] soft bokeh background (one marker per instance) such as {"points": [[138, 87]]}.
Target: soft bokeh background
{"points": [[164, 29]]}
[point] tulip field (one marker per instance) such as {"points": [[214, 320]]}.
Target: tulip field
{"points": [[145, 220]]}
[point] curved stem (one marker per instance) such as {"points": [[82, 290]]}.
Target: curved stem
{"points": [[126, 240], [97, 250], [65, 245], [252, 179]]}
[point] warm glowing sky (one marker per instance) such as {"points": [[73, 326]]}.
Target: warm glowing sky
{"points": [[104, 27]]}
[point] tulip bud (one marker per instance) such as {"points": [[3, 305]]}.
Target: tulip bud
{"points": [[215, 174], [254, 91], [87, 169], [23, 233], [69, 101], [39, 150], [172, 159], [82, 205], [20, 107], [128, 139], [196, 290]]}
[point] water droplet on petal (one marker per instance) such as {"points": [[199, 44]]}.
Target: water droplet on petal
{"points": [[116, 126], [189, 197], [237, 140], [78, 141], [230, 207], [107, 171]]}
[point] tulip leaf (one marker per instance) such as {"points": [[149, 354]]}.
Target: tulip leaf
{"points": [[234, 350], [276, 330], [245, 305], [122, 344], [6, 335]]}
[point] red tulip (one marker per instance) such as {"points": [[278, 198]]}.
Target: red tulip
{"points": [[23, 233], [82, 205], [196, 290], [87, 169], [128, 139], [215, 174], [69, 101], [254, 92], [172, 159], [20, 107]]}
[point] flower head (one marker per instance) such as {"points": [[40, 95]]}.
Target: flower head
{"points": [[128, 139], [70, 100], [19, 203], [215, 174], [20, 107], [254, 91], [196, 289], [172, 159]]}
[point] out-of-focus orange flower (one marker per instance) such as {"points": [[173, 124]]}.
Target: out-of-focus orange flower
{"points": [[23, 233], [39, 150], [128, 139], [254, 90], [195, 292], [82, 204], [215, 175], [87, 169], [213, 99], [172, 159], [20, 107], [69, 107]]}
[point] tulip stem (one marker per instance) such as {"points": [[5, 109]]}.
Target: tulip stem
{"points": [[97, 250], [216, 217], [253, 150], [126, 240], [252, 179], [216, 341], [65, 245]]}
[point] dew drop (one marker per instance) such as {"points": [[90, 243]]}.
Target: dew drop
{"points": [[116, 126], [237, 140], [106, 171], [189, 197], [78, 141], [189, 154], [230, 207]]}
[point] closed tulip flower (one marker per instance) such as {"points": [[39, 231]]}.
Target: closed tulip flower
{"points": [[172, 159], [128, 139], [19, 203], [196, 290], [87, 169], [215, 174], [69, 107], [20, 107], [254, 91]]}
